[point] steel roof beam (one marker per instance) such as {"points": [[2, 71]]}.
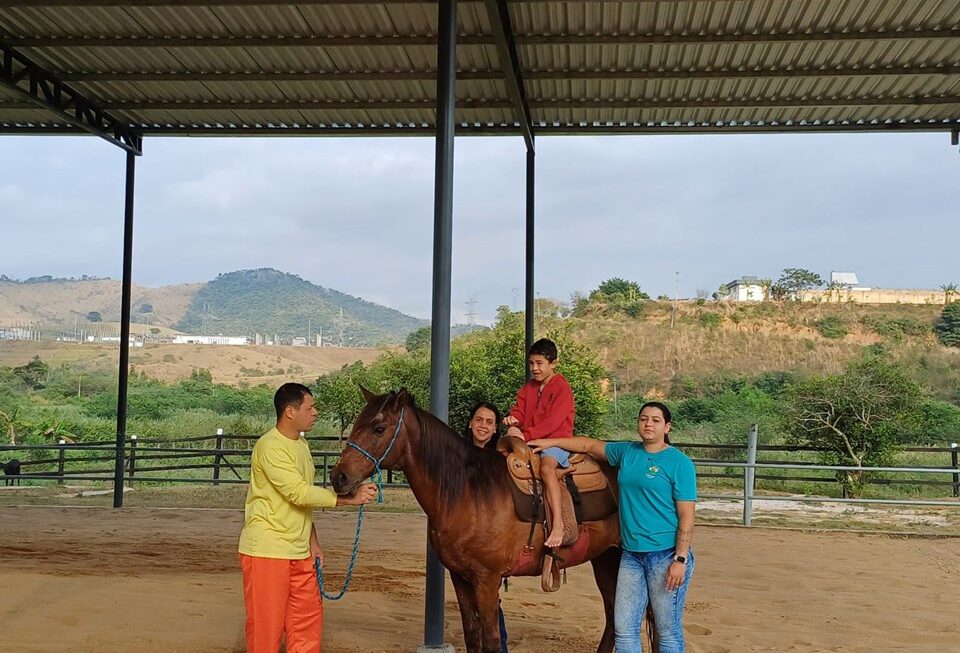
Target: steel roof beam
{"points": [[406, 40], [585, 103], [499, 18], [488, 75], [41, 89], [499, 130]]}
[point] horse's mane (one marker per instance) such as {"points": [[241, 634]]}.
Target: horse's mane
{"points": [[458, 465], [460, 469]]}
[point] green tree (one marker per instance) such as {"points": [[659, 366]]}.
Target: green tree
{"points": [[33, 374], [337, 395], [793, 281], [419, 341], [617, 288], [94, 316], [947, 327], [949, 290], [855, 417], [616, 295], [487, 365]]}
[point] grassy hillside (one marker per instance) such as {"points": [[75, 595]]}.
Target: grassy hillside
{"points": [[272, 302], [58, 303], [721, 339], [237, 303]]}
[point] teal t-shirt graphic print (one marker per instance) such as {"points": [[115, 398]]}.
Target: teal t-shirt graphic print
{"points": [[650, 484]]}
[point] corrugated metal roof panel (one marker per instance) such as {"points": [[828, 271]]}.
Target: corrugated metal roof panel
{"points": [[703, 62]]}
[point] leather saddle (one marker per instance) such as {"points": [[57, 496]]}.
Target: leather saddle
{"points": [[585, 491]]}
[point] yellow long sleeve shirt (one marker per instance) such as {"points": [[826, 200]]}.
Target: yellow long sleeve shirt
{"points": [[281, 498]]}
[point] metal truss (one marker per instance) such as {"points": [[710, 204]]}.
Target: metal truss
{"points": [[40, 88]]}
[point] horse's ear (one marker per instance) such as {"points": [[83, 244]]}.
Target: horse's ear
{"points": [[403, 397], [367, 395]]}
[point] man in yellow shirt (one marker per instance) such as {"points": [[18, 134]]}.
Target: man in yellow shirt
{"points": [[279, 541]]}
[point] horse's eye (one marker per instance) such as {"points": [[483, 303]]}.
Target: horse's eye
{"points": [[378, 430]]}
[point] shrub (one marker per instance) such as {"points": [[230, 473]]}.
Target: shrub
{"points": [[831, 326], [710, 320], [948, 326]]}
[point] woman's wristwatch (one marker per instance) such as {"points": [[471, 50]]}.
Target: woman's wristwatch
{"points": [[681, 559]]}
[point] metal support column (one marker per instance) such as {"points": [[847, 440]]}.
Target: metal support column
{"points": [[529, 280], [749, 475], [124, 364], [433, 622]]}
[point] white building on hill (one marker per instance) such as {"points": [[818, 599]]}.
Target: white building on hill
{"points": [[744, 289]]}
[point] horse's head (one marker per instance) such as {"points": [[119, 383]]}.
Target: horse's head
{"points": [[376, 439]]}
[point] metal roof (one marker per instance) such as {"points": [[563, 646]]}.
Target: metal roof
{"points": [[364, 67]]}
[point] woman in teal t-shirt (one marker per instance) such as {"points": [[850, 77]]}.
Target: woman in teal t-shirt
{"points": [[658, 494]]}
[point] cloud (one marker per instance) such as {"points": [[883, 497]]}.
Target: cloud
{"points": [[357, 214]]}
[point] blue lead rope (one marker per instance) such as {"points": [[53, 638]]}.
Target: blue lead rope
{"points": [[376, 477], [353, 561]]}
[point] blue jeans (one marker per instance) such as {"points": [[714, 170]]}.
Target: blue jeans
{"points": [[503, 631], [643, 578]]}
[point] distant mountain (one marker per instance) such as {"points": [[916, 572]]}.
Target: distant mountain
{"points": [[271, 302]]}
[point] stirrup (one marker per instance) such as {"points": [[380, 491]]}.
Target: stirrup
{"points": [[550, 577]]}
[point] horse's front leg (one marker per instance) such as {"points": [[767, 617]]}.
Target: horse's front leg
{"points": [[488, 605], [467, 600]]}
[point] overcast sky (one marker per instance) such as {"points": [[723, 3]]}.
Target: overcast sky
{"points": [[356, 214]]}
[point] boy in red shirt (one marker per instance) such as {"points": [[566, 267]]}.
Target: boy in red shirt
{"points": [[544, 409]]}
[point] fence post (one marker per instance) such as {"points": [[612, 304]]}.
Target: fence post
{"points": [[956, 475], [749, 475], [216, 457], [133, 459], [61, 458]]}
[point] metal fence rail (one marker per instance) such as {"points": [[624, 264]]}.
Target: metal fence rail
{"points": [[152, 460]]}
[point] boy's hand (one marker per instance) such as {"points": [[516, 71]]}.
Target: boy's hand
{"points": [[510, 420]]}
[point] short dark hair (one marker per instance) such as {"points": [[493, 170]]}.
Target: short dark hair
{"points": [[468, 434], [289, 394], [544, 347], [667, 418]]}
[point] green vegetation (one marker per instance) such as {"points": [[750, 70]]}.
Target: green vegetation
{"points": [[948, 326], [831, 326], [877, 382], [486, 365], [793, 281], [855, 417], [614, 295], [274, 303], [40, 404]]}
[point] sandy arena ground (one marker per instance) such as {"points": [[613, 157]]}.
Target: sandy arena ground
{"points": [[94, 580]]}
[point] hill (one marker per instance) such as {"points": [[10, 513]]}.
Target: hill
{"points": [[271, 302], [239, 303], [707, 341], [58, 303]]}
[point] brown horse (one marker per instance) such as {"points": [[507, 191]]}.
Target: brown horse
{"points": [[472, 522]]}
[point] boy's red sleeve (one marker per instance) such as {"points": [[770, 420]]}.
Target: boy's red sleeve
{"points": [[519, 408], [558, 411]]}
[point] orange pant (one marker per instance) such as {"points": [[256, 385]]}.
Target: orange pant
{"points": [[281, 596]]}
